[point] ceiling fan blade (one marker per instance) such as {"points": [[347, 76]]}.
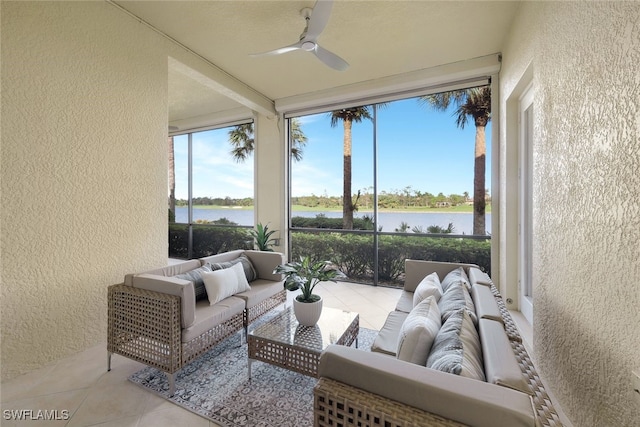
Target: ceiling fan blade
{"points": [[278, 51], [319, 18], [330, 59]]}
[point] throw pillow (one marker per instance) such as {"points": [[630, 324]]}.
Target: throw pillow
{"points": [[455, 298], [195, 276], [456, 349], [418, 332], [242, 284], [455, 276], [220, 284], [429, 286], [249, 270]]}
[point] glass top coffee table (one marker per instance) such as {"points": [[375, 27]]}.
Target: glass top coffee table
{"points": [[283, 342]]}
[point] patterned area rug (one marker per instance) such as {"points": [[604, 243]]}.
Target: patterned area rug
{"points": [[216, 386]]}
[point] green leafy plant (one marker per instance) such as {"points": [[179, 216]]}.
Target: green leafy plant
{"points": [[262, 237], [305, 275]]}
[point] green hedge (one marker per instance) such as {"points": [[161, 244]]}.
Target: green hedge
{"points": [[207, 240], [322, 221], [353, 253]]}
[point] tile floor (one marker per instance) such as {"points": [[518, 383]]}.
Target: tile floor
{"points": [[92, 396]]}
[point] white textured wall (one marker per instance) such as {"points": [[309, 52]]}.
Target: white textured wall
{"points": [[84, 116], [586, 68]]}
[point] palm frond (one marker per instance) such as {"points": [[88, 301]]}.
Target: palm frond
{"points": [[353, 114]]}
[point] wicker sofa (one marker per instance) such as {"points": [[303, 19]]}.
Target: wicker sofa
{"points": [[376, 388], [156, 317]]}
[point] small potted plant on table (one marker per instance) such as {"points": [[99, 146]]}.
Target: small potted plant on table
{"points": [[305, 275]]}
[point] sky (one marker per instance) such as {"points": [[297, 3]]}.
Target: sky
{"points": [[417, 147]]}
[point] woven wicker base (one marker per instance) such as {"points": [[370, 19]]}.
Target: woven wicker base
{"points": [[339, 405]]}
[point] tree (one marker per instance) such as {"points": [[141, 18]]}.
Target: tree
{"points": [[172, 178], [348, 116], [470, 103], [242, 141]]}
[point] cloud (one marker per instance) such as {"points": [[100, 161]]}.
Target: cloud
{"points": [[215, 172], [307, 179]]}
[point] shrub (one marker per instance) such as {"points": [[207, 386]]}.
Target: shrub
{"points": [[207, 240], [353, 253], [322, 221]]}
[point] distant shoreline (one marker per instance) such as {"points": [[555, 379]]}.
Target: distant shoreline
{"points": [[464, 209]]}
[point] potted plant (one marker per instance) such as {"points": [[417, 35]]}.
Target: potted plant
{"points": [[262, 237], [305, 275]]}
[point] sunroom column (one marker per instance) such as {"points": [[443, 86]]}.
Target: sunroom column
{"points": [[270, 176]]}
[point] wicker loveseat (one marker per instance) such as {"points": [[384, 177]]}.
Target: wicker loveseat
{"points": [[376, 388], [157, 318]]}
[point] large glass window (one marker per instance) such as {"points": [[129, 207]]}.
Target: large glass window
{"points": [[213, 172], [397, 180]]}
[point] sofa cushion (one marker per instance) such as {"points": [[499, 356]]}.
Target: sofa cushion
{"points": [[167, 271], [405, 302], [485, 303], [265, 262], [429, 286], [209, 316], [479, 277], [457, 349], [500, 363], [259, 291], [247, 266], [455, 276], [387, 339], [418, 332], [171, 286], [224, 283], [195, 276], [455, 298]]}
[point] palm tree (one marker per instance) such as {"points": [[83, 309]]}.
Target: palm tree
{"points": [[348, 116], [242, 141], [172, 178], [474, 103]]}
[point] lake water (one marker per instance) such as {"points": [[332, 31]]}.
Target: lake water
{"points": [[389, 221]]}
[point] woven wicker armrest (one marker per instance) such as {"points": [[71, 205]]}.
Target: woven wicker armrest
{"points": [[339, 404], [144, 325], [427, 390]]}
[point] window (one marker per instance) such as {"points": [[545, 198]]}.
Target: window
{"points": [[380, 183], [525, 149], [213, 172]]}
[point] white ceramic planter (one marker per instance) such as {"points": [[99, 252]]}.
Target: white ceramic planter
{"points": [[307, 313]]}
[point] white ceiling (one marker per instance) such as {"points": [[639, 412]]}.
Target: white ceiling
{"points": [[377, 38]]}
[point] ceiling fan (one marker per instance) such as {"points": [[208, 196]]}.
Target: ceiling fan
{"points": [[316, 20]]}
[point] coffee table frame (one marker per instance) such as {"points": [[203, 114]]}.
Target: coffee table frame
{"points": [[283, 342]]}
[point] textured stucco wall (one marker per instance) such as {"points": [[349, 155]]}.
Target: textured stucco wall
{"points": [[84, 116], [586, 263]]}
